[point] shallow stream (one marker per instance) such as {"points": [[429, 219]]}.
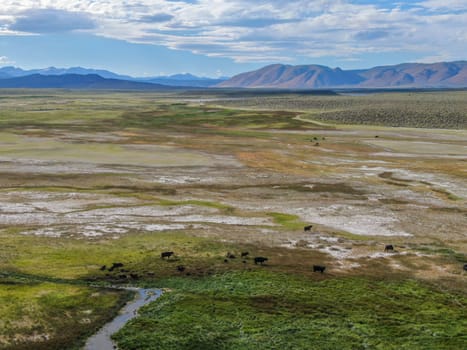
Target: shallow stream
{"points": [[101, 340]]}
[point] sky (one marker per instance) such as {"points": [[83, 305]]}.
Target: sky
{"points": [[226, 37]]}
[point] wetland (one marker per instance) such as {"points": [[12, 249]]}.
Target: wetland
{"points": [[89, 180]]}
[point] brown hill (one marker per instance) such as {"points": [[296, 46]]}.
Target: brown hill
{"points": [[417, 75]]}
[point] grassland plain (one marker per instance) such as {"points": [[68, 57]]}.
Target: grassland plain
{"points": [[89, 179], [446, 110]]}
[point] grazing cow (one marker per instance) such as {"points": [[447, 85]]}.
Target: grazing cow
{"points": [[388, 247], [230, 255], [166, 255], [115, 266], [244, 254], [103, 267], [226, 261], [318, 268], [135, 276], [122, 276], [465, 267], [180, 268], [244, 261], [260, 259], [307, 228]]}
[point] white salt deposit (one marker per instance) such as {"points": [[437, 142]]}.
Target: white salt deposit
{"points": [[354, 219]]}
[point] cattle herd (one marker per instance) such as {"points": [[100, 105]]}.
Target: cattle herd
{"points": [[229, 256]]}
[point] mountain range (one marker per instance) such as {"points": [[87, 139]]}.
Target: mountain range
{"points": [[276, 76], [185, 79], [77, 81], [406, 75]]}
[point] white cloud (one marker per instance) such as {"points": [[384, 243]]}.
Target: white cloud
{"points": [[450, 5], [268, 30], [5, 60], [51, 21]]}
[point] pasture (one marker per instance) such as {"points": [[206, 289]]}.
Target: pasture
{"points": [[91, 179]]}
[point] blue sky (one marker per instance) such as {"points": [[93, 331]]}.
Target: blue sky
{"points": [[226, 37]]}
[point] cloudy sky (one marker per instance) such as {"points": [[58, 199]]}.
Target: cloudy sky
{"points": [[225, 37]]}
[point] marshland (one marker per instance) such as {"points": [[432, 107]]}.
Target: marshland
{"points": [[93, 179]]}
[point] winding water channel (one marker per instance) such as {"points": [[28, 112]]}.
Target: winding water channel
{"points": [[101, 340]]}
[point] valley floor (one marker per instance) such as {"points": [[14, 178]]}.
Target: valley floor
{"points": [[88, 180]]}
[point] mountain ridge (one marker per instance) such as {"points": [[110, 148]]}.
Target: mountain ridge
{"points": [[404, 75], [78, 81], [184, 79]]}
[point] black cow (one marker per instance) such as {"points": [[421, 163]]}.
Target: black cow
{"points": [[230, 255], [180, 268], [103, 267], [244, 254], [166, 255], [307, 228], [465, 267], [388, 247], [115, 266], [135, 276], [318, 268], [260, 259]]}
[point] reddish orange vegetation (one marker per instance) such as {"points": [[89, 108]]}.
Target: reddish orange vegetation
{"points": [[274, 161]]}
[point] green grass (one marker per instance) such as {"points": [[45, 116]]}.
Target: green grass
{"points": [[176, 116], [209, 204], [52, 315], [288, 221], [443, 251], [264, 310], [78, 258]]}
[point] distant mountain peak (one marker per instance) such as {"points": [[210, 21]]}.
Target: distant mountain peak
{"points": [[184, 76]]}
